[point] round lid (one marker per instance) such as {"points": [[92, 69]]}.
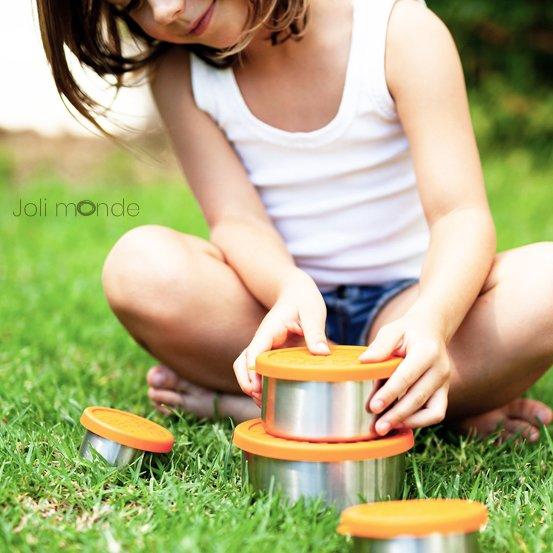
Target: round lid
{"points": [[341, 364], [127, 429], [416, 517], [250, 436]]}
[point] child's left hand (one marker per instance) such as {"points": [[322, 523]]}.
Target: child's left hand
{"points": [[421, 381]]}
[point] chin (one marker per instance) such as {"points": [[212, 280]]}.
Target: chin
{"points": [[226, 38], [223, 43]]}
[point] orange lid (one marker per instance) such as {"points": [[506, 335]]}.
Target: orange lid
{"points": [[250, 436], [341, 364], [127, 429], [416, 517]]}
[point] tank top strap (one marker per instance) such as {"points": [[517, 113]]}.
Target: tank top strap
{"points": [[216, 91], [205, 84], [374, 17]]}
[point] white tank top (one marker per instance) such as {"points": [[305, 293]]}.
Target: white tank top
{"points": [[343, 197]]}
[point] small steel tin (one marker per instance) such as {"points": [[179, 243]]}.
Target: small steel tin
{"points": [[341, 474], [120, 437], [415, 526], [320, 398]]}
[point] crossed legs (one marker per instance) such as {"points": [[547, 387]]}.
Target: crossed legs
{"points": [[181, 301]]}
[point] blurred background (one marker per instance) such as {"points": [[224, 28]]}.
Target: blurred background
{"points": [[506, 49]]}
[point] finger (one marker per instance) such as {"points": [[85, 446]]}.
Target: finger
{"points": [[294, 327], [255, 381], [257, 398], [279, 336], [241, 372], [417, 361], [433, 413], [312, 320], [415, 398], [271, 332], [387, 340]]}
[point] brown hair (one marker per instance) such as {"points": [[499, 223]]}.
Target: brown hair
{"points": [[93, 31]]}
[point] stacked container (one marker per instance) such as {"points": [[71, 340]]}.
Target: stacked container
{"points": [[315, 437]]}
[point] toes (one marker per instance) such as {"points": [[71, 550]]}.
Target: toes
{"points": [[161, 376], [200, 405], [156, 376], [482, 425], [519, 427], [167, 397], [530, 410]]}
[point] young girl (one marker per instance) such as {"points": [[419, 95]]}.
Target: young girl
{"points": [[330, 147]]}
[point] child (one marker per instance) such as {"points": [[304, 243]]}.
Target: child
{"points": [[330, 147]]}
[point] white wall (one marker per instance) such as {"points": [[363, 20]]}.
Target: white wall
{"points": [[28, 98]]}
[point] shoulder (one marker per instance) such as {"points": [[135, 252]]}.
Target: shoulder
{"points": [[170, 74], [419, 46], [411, 20]]}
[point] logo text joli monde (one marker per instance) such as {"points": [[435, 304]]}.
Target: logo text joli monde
{"points": [[83, 208]]}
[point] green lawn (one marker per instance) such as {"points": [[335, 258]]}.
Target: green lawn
{"points": [[62, 350]]}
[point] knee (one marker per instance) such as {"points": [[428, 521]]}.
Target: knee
{"points": [[142, 269], [545, 296], [538, 267], [532, 281]]}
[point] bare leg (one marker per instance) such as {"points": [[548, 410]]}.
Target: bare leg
{"points": [[502, 347], [179, 299]]}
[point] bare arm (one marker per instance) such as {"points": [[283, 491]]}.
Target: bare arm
{"points": [[425, 78], [236, 217], [239, 224]]}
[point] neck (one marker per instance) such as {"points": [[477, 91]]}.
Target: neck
{"points": [[322, 13]]}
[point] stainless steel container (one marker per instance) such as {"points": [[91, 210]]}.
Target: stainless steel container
{"points": [[119, 437], [436, 543], [112, 452], [341, 474], [320, 398], [415, 526]]}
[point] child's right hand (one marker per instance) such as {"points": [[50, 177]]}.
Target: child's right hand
{"points": [[300, 310]]}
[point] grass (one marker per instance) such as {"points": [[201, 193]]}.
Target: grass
{"points": [[62, 350]]}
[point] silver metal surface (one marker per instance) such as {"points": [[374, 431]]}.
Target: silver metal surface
{"points": [[318, 411], [341, 483], [114, 453], [435, 543]]}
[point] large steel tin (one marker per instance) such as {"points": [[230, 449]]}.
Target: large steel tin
{"points": [[341, 483], [434, 543], [114, 453], [318, 411]]}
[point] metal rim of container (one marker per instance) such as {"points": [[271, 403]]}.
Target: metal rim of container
{"points": [[251, 436]]}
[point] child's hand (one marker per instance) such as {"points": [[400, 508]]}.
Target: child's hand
{"points": [[300, 310], [420, 382]]}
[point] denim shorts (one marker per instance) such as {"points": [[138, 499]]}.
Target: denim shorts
{"points": [[352, 309]]}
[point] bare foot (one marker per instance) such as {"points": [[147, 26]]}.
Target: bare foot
{"points": [[168, 391], [520, 418]]}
